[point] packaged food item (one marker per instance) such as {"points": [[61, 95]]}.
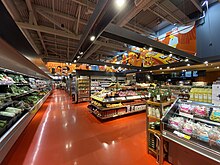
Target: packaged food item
{"points": [[201, 111], [176, 122], [214, 136], [215, 115], [186, 108], [188, 127], [202, 131]]}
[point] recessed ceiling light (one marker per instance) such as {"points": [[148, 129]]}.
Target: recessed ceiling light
{"points": [[151, 71], [174, 68], [150, 49], [120, 3], [162, 72], [170, 55], [140, 70], [81, 53], [188, 64], [92, 38], [206, 62], [217, 67]]}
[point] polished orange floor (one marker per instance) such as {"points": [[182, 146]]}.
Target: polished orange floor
{"points": [[63, 133]]}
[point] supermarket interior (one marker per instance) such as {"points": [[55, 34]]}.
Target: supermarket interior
{"points": [[103, 82]]}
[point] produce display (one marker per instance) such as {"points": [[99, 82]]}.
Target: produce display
{"points": [[18, 78], [4, 79], [17, 98]]}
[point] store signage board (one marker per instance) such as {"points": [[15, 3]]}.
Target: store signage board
{"points": [[190, 116]]}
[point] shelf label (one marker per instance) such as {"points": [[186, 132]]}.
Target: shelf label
{"points": [[186, 115], [182, 135]]}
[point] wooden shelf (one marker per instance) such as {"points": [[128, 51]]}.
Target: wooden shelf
{"points": [[153, 117], [117, 115], [106, 109], [164, 104], [152, 150]]}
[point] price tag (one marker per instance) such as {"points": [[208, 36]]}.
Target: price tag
{"points": [[186, 115], [182, 135], [158, 97]]}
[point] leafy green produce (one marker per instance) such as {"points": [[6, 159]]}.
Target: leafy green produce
{"points": [[2, 125], [3, 121], [8, 114]]}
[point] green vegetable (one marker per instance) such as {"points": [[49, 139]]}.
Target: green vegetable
{"points": [[3, 121], [2, 125]]}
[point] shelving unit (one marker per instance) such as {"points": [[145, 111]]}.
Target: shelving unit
{"points": [[154, 113], [127, 105], [83, 88]]}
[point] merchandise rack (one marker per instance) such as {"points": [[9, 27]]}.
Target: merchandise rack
{"points": [[112, 112], [153, 133], [209, 149]]}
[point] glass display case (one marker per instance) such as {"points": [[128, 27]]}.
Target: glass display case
{"points": [[194, 125]]}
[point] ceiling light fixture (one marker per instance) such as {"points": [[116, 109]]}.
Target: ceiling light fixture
{"points": [[217, 67], [92, 38], [205, 2], [74, 61], [170, 55], [162, 72], [120, 3], [81, 53], [78, 57], [186, 60], [206, 62], [168, 67], [150, 49], [161, 68], [151, 71]]}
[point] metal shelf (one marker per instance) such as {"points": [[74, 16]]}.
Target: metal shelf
{"points": [[209, 153], [199, 119]]}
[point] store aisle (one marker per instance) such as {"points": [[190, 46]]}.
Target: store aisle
{"points": [[66, 134]]}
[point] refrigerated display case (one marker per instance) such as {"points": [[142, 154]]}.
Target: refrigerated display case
{"points": [[20, 98], [195, 126]]}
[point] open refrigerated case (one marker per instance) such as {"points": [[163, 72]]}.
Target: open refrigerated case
{"points": [[194, 126], [21, 97]]}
